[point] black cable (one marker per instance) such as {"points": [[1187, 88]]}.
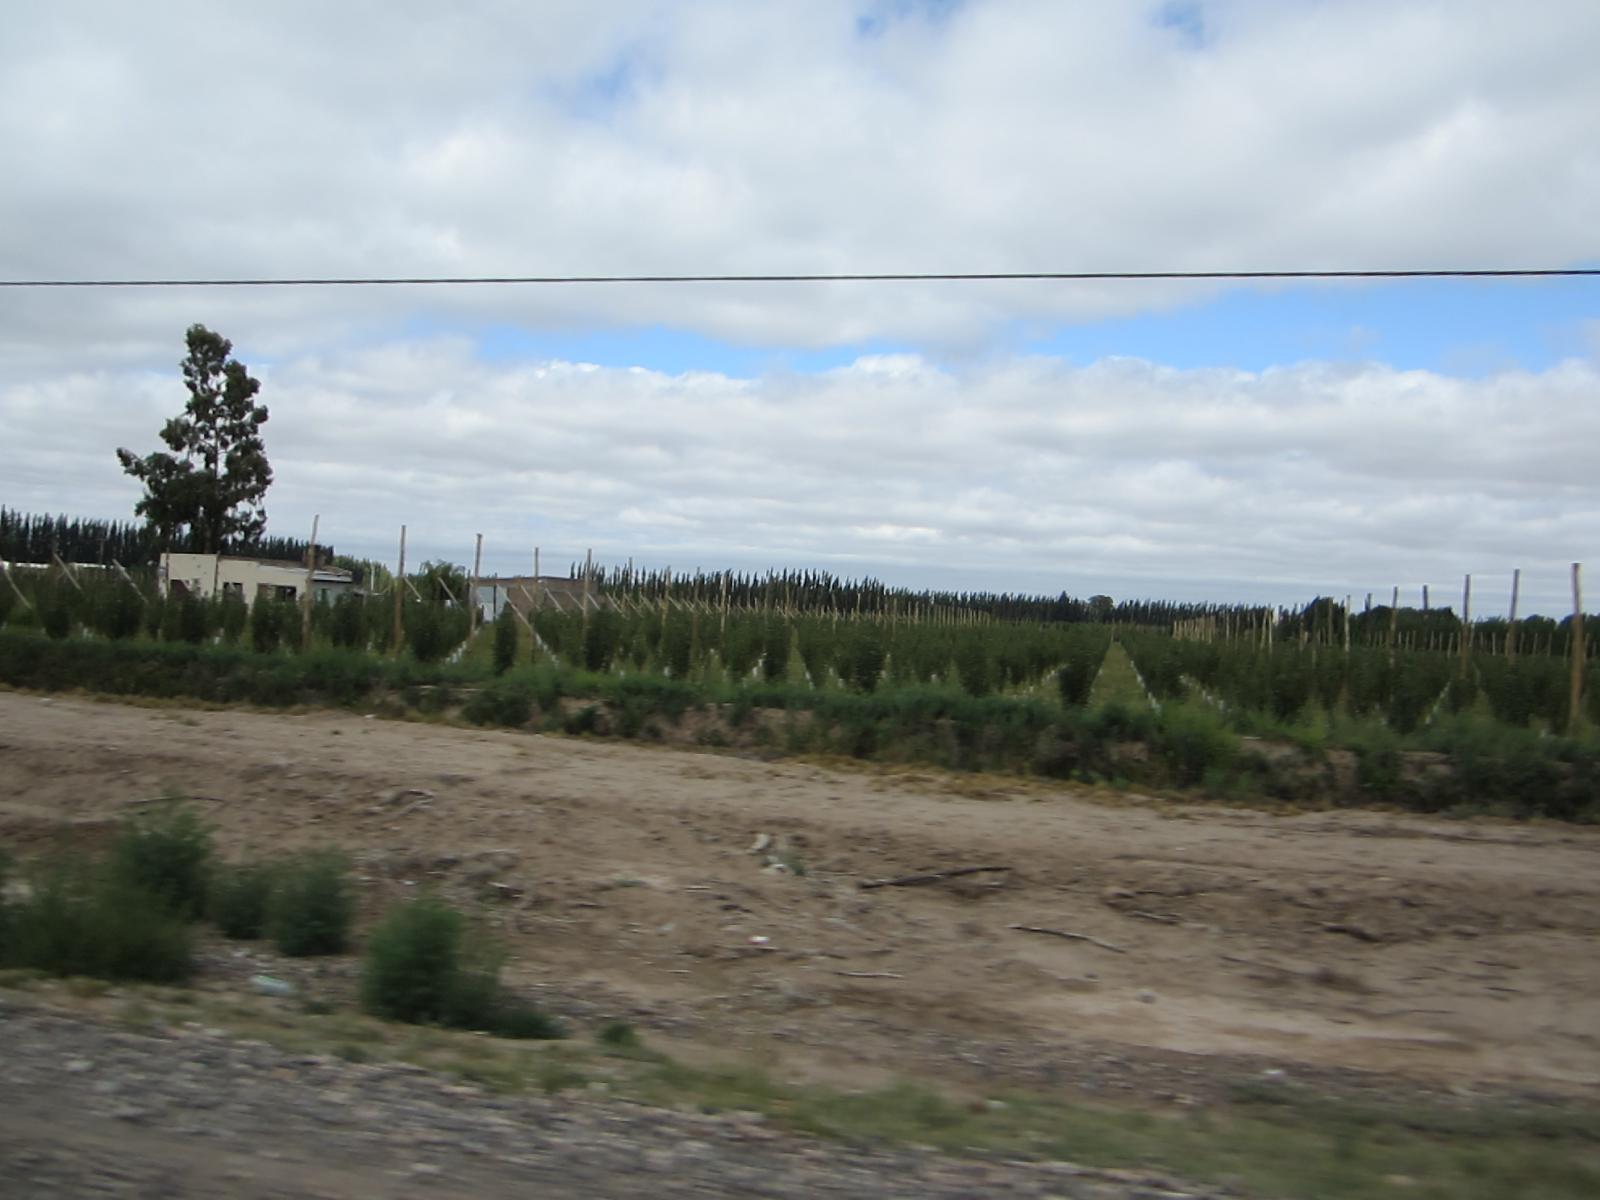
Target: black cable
{"points": [[876, 277]]}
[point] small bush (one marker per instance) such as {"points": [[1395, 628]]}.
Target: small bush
{"points": [[312, 908], [619, 1035], [82, 920], [421, 968], [507, 702], [167, 853], [1193, 740], [505, 640], [240, 899]]}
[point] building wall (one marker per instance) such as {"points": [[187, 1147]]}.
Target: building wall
{"points": [[204, 574]]}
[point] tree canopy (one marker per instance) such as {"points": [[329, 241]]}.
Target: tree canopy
{"points": [[210, 487]]}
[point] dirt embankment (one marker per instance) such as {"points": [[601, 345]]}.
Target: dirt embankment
{"points": [[718, 900]]}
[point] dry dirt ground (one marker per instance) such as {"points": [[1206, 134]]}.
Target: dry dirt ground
{"points": [[718, 902]]}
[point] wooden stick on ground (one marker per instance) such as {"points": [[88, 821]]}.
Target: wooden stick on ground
{"points": [[1071, 937], [926, 877], [1164, 918]]}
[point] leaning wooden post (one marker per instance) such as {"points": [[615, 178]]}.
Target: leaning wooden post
{"points": [[1466, 625], [66, 570], [400, 591], [26, 603], [310, 597], [126, 578], [1580, 651], [472, 589], [1511, 625]]}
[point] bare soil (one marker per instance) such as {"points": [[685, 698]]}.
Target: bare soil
{"points": [[717, 900]]}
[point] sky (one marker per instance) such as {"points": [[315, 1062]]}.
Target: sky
{"points": [[1188, 441]]}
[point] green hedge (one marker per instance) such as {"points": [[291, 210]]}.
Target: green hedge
{"points": [[1188, 745]]}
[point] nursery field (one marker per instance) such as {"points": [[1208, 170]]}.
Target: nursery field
{"points": [[794, 915], [1326, 939], [1321, 707]]}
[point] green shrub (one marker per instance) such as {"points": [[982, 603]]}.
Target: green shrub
{"points": [[1075, 680], [194, 620], [505, 640], [432, 630], [55, 610], [585, 720], [120, 612], [240, 899], [421, 967], [235, 616], [619, 1035], [265, 627], [1193, 739], [312, 906], [507, 702], [347, 622], [79, 919], [974, 667], [166, 852], [412, 960]]}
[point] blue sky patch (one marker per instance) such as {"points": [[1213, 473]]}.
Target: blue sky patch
{"points": [[1462, 328]]}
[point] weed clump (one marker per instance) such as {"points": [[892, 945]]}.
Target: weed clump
{"points": [[166, 852], [79, 918], [421, 967], [311, 907], [240, 899]]}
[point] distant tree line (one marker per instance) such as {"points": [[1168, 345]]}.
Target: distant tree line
{"points": [[814, 591], [30, 538]]}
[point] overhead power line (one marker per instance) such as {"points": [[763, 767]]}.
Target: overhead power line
{"points": [[860, 277]]}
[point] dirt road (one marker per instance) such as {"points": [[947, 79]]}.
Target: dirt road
{"points": [[87, 1110], [717, 900]]}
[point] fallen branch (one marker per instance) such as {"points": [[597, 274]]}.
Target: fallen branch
{"points": [[173, 799], [1164, 918], [926, 877], [1070, 936]]}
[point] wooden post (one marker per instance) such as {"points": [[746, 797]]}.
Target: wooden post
{"points": [[310, 596], [538, 587], [472, 589], [1466, 625], [1580, 651], [1511, 625], [126, 578], [26, 603], [400, 582], [1425, 608], [67, 571]]}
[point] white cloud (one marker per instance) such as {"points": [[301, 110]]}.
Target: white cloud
{"points": [[187, 139], [1121, 476]]}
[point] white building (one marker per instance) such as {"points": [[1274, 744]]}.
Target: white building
{"points": [[205, 575]]}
